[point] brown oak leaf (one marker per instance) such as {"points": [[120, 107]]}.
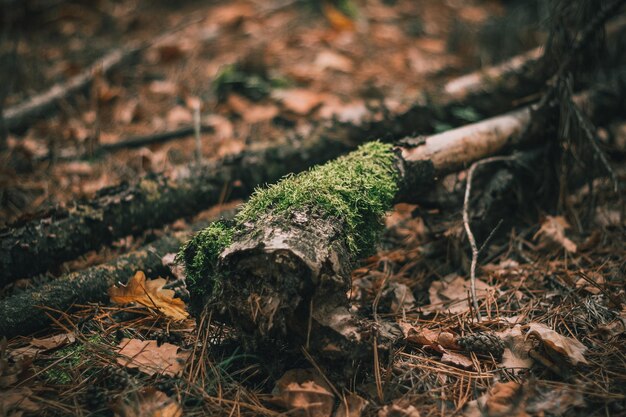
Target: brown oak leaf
{"points": [[150, 294], [149, 358]]}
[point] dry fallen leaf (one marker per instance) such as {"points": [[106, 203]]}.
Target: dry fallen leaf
{"points": [[250, 112], [352, 405], [399, 297], [505, 399], [298, 100], [596, 278], [304, 393], [458, 360], [333, 60], [552, 233], [336, 18], [150, 294], [149, 403], [178, 116], [450, 294], [54, 342], [41, 345], [517, 348], [564, 345], [428, 337], [149, 358]]}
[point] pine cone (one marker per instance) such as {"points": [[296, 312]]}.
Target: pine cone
{"points": [[96, 398], [116, 378], [483, 343], [166, 385]]}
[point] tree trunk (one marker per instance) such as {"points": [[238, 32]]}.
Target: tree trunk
{"points": [[284, 269]]}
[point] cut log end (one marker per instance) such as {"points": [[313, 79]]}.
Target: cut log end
{"points": [[272, 271]]}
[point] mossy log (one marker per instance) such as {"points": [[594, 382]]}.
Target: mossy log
{"points": [[39, 244], [35, 246], [282, 270]]}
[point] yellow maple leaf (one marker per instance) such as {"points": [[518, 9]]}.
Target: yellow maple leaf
{"points": [[150, 294]]}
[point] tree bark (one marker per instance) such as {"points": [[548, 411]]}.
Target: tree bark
{"points": [[286, 271], [27, 312]]}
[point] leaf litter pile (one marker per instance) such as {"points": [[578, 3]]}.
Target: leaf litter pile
{"points": [[551, 294]]}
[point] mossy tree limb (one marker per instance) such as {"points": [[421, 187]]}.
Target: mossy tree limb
{"points": [[285, 271]]}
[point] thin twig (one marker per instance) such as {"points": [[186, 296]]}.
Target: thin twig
{"points": [[591, 136], [196, 131], [475, 250]]}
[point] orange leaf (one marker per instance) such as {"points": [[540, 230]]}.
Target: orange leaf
{"points": [[150, 294], [149, 403], [149, 358], [337, 19]]}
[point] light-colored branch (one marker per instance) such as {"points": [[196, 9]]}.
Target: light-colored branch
{"points": [[466, 223]]}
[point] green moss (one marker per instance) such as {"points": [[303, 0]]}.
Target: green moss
{"points": [[68, 360], [357, 188], [199, 255], [255, 85]]}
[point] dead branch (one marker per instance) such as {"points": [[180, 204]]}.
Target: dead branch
{"points": [[22, 114], [22, 313], [466, 223], [133, 142]]}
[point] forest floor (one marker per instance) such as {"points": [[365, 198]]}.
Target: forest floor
{"points": [[552, 293]]}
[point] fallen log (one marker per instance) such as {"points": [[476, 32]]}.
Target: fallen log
{"points": [[65, 234], [27, 312], [282, 270], [21, 313]]}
